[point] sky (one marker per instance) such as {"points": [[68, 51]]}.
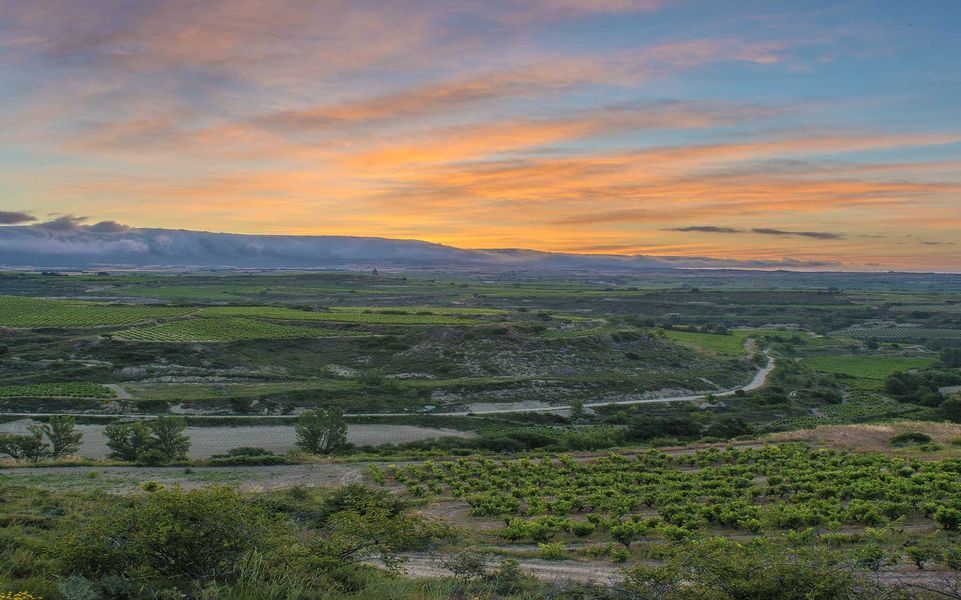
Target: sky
{"points": [[755, 130]]}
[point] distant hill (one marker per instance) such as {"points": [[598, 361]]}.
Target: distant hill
{"points": [[115, 245]]}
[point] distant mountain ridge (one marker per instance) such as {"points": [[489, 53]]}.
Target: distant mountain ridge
{"points": [[116, 245]]}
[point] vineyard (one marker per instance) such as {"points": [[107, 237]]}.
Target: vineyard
{"points": [[342, 315], [900, 333], [860, 407], [35, 313], [652, 494], [227, 329], [865, 372], [57, 390]]}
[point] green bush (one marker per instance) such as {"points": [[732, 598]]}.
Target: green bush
{"points": [[910, 437], [170, 534]]}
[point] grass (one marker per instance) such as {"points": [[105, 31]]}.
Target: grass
{"points": [[731, 344], [877, 437]]}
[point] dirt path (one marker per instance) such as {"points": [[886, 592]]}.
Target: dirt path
{"points": [[121, 393], [422, 564]]}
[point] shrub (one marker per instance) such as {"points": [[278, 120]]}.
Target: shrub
{"points": [[910, 437], [723, 569], [195, 535], [949, 518], [247, 460], [78, 588], [466, 564], [551, 551], [249, 451], [619, 554]]}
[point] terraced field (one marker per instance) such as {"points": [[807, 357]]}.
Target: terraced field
{"points": [[900, 333], [227, 329], [342, 315], [57, 390]]}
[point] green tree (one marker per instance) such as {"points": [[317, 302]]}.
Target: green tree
{"points": [[168, 437], [577, 410], [951, 357], [63, 436], [951, 409], [162, 439], [28, 446], [127, 440], [321, 432]]}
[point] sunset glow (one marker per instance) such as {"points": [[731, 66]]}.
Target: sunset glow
{"points": [[808, 131]]}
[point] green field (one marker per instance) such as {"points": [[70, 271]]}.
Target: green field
{"points": [[226, 329], [731, 344], [866, 367], [36, 313]]}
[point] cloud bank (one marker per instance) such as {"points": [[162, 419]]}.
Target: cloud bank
{"points": [[58, 244]]}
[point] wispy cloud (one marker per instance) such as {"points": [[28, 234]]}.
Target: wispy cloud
{"points": [[820, 235], [556, 124]]}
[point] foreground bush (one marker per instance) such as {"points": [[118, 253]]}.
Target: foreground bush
{"points": [[722, 569], [196, 535]]}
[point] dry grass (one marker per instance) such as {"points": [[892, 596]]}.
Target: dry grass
{"points": [[876, 438]]}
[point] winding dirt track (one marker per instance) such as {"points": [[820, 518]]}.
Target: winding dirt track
{"points": [[760, 378]]}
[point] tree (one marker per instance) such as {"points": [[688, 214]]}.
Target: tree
{"points": [[127, 440], [577, 410], [60, 432], [951, 357], [64, 439], [29, 446], [951, 409], [321, 432], [168, 437], [162, 439]]}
